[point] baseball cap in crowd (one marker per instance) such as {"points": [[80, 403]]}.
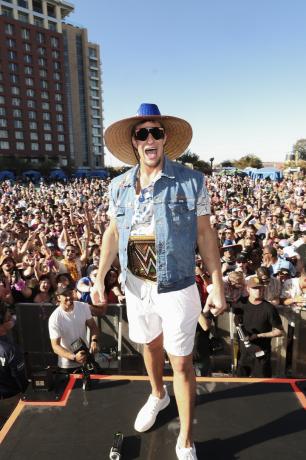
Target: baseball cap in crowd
{"points": [[253, 282], [282, 271], [63, 290], [118, 135], [233, 248], [4, 258]]}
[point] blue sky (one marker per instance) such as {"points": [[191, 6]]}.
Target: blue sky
{"points": [[236, 70]]}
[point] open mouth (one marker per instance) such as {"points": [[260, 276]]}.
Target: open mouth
{"points": [[151, 153]]}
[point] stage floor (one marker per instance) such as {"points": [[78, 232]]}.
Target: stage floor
{"points": [[234, 419]]}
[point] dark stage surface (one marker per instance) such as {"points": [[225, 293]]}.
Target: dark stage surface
{"points": [[233, 420]]}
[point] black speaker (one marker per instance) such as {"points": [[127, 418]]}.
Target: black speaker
{"points": [[33, 335]]}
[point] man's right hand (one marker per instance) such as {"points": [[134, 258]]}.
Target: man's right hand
{"points": [[97, 293], [80, 357]]}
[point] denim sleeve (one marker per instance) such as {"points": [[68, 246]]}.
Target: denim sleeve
{"points": [[111, 205], [203, 201]]}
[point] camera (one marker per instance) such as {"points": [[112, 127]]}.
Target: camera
{"points": [[90, 366], [243, 336]]}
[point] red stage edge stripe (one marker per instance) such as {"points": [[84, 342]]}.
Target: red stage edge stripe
{"points": [[11, 420], [299, 394]]}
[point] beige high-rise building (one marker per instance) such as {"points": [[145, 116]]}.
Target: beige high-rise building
{"points": [[84, 97]]}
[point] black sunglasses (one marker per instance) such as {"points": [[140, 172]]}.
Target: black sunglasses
{"points": [[143, 133]]}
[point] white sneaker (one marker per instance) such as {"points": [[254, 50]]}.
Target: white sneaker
{"points": [[147, 415], [185, 453]]}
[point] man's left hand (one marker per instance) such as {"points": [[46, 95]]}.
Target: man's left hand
{"points": [[94, 347]]}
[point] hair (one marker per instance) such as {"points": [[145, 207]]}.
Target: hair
{"points": [[271, 250], [263, 271], [237, 277], [3, 310]]}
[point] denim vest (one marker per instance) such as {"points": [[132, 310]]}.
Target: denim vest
{"points": [[174, 205]]}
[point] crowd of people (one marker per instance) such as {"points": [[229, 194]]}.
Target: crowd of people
{"points": [[51, 234]]}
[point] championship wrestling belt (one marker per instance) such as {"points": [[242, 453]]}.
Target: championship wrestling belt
{"points": [[142, 257]]}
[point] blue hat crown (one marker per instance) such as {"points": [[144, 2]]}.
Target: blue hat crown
{"points": [[147, 109]]}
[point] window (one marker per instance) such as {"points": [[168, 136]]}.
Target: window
{"points": [[40, 37], [30, 93], [94, 93], [60, 128], [95, 112], [29, 81], [17, 113], [28, 70], [45, 106], [2, 100], [23, 3], [41, 51], [93, 73], [19, 145], [9, 29], [61, 138], [56, 65], [48, 137], [13, 67], [27, 59], [34, 136], [11, 43], [12, 55], [48, 147], [46, 116], [54, 42], [55, 54], [31, 104], [59, 107], [15, 90], [14, 79], [19, 135], [92, 53], [25, 34], [18, 124], [42, 62], [32, 115], [51, 10], [16, 101], [37, 6], [1, 76], [1, 88], [96, 131], [4, 145], [58, 86], [47, 127], [58, 97], [61, 147], [24, 17], [96, 140], [44, 84], [39, 22], [3, 134], [7, 12], [33, 125], [43, 73], [27, 47], [2, 112], [34, 146], [56, 76], [44, 95], [52, 25], [59, 117]]}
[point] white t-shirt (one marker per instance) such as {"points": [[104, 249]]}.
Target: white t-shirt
{"points": [[69, 326]]}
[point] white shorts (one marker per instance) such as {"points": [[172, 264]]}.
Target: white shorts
{"points": [[175, 314]]}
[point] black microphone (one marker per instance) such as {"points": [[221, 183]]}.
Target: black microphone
{"points": [[115, 452], [242, 334]]}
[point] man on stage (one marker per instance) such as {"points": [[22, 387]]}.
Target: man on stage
{"points": [[159, 213]]}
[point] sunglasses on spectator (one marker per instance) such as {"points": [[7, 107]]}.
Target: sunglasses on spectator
{"points": [[143, 133]]}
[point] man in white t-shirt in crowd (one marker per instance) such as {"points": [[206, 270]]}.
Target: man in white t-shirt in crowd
{"points": [[68, 323]]}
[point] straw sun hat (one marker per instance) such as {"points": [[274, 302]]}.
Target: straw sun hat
{"points": [[118, 136]]}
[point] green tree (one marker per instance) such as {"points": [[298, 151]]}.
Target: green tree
{"points": [[300, 148], [189, 157], [227, 163], [248, 160]]}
